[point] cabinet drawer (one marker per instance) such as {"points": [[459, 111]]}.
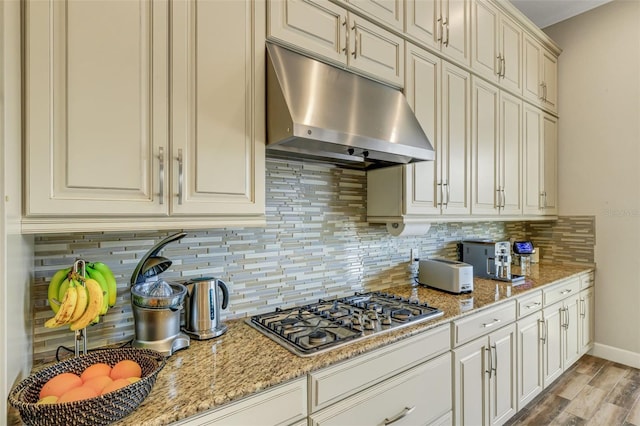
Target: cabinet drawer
{"points": [[482, 323], [560, 291], [338, 382], [529, 304], [282, 405], [419, 396], [587, 280]]}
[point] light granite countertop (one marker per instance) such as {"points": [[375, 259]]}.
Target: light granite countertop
{"points": [[243, 361]]}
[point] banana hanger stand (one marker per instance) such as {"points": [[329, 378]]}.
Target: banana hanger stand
{"points": [[79, 267]]}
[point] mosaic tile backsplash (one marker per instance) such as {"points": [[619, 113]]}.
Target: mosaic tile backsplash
{"points": [[317, 243]]}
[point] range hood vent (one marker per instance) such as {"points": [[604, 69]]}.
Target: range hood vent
{"points": [[325, 113]]}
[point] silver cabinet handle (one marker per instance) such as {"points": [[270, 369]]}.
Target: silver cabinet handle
{"points": [[491, 324], [355, 43], [445, 187], [543, 334], [440, 201], [446, 24], [533, 305], [161, 171], [180, 176], [499, 57], [400, 415], [504, 67], [448, 194], [568, 317], [345, 49], [583, 308], [439, 30], [567, 291], [495, 353], [498, 200], [541, 97], [490, 370]]}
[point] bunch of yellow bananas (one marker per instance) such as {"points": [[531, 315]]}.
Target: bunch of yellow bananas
{"points": [[79, 301]]}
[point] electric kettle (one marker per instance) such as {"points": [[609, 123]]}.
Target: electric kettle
{"points": [[203, 305]]}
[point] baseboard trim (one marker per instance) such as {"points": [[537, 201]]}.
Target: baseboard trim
{"points": [[622, 356]]}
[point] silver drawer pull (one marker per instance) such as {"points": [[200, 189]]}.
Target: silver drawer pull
{"points": [[566, 291], [533, 305], [491, 324], [400, 415]]}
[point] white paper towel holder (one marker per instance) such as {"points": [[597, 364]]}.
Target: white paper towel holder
{"points": [[405, 229]]}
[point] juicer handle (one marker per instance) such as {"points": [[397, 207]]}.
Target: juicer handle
{"points": [[225, 294]]}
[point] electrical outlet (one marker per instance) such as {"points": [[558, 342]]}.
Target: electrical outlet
{"points": [[415, 254]]}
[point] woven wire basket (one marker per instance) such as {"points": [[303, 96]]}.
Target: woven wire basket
{"points": [[101, 410]]}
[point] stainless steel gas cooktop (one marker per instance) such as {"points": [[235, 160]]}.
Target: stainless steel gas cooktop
{"points": [[318, 327]]}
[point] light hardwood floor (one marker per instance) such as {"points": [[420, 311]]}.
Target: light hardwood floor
{"points": [[593, 391]]}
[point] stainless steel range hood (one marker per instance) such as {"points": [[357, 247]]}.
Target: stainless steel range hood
{"points": [[318, 111]]}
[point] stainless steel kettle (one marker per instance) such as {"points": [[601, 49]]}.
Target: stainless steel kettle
{"points": [[203, 305]]}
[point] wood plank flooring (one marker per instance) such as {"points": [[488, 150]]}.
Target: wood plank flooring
{"points": [[593, 391]]}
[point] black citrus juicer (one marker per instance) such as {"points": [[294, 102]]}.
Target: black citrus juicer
{"points": [[157, 304]]}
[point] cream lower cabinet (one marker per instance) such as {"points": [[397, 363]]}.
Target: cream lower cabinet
{"points": [[587, 313], [139, 125], [496, 148], [439, 94], [484, 372], [529, 379], [326, 30], [419, 396], [282, 405]]}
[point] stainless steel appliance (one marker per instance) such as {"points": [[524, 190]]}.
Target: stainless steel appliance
{"points": [[448, 275], [203, 306], [356, 122], [157, 304], [318, 327], [490, 259]]}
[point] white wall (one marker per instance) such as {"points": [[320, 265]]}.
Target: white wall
{"points": [[599, 159], [16, 251]]}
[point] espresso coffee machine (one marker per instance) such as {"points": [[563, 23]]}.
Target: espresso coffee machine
{"points": [[490, 259]]}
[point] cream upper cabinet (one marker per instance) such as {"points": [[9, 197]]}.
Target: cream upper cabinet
{"points": [[217, 145], [496, 151], [439, 94], [328, 31], [98, 119], [390, 12], [442, 25], [540, 163], [540, 75], [497, 46]]}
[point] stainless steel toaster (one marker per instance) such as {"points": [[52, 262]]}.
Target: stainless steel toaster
{"points": [[448, 275]]}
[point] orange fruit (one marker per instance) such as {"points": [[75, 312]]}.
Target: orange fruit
{"points": [[98, 383], [60, 384], [115, 385], [126, 368], [51, 399], [95, 370], [78, 394]]}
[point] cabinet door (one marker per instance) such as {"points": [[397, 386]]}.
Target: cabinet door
{"points": [[552, 347], [410, 398], [532, 89], [510, 42], [422, 89], [217, 156], [388, 11], [455, 147], [317, 26], [502, 393], [95, 107], [587, 305], [470, 375], [486, 188], [423, 21], [375, 51], [550, 80], [510, 153], [532, 140], [549, 166], [485, 58], [456, 30], [571, 340], [529, 358]]}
